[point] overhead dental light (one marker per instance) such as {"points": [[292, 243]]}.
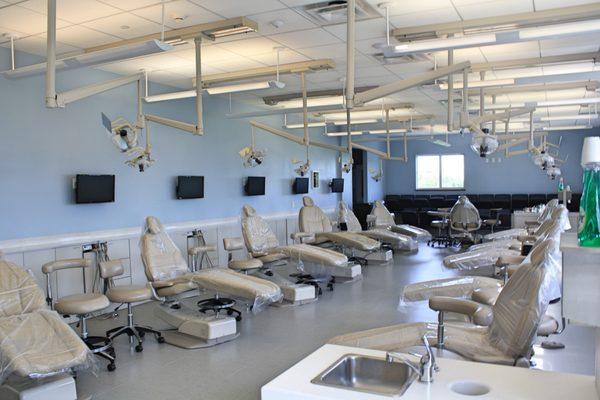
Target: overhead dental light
{"points": [[543, 160], [484, 145], [553, 172], [251, 156], [302, 166], [123, 134], [93, 58], [377, 175]]}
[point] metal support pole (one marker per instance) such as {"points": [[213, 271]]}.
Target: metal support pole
{"points": [[198, 48], [481, 97], [440, 330], [51, 56], [451, 90], [304, 109], [12, 52]]}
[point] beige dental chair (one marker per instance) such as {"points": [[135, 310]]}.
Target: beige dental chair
{"points": [[35, 342], [381, 217], [168, 273], [396, 241], [315, 224], [531, 227], [82, 305], [517, 314]]}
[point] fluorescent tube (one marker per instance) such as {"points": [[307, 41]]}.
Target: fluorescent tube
{"points": [[242, 87]]}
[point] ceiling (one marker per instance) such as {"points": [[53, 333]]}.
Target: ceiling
{"points": [[86, 23]]}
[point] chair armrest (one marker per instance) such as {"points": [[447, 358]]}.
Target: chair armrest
{"points": [[160, 284], [532, 223], [303, 237], [526, 238], [480, 314], [233, 243], [68, 263], [508, 260]]}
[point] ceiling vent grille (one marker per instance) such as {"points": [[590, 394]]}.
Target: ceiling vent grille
{"points": [[334, 12]]}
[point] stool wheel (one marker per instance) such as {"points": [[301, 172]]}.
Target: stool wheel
{"points": [[160, 339], [139, 348], [111, 367]]}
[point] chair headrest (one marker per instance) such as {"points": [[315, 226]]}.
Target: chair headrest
{"points": [[153, 225], [552, 203], [343, 206], [248, 211], [307, 201], [378, 203]]}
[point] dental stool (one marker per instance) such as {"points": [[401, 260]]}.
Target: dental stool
{"points": [[82, 305], [126, 295]]}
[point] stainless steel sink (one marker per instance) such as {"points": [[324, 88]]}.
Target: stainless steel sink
{"points": [[367, 374]]}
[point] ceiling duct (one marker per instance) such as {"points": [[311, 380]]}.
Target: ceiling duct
{"points": [[334, 11]]}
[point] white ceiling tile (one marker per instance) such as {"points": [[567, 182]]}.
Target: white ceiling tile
{"points": [[408, 69], [399, 7], [337, 51], [21, 19], [303, 39], [74, 11], [292, 21], [297, 3], [237, 64], [237, 8], [574, 49], [371, 72], [83, 37], [323, 76], [178, 14], [366, 29], [425, 18], [37, 45], [287, 56], [546, 4], [367, 46], [511, 51], [494, 8], [250, 47], [130, 4], [210, 54], [115, 25]]}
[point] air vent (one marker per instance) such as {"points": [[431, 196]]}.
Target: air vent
{"points": [[334, 12]]}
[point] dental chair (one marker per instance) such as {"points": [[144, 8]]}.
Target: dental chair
{"points": [[293, 293], [531, 226], [380, 217], [83, 305], [169, 276], [486, 254], [508, 340], [263, 245], [396, 241], [464, 221], [38, 350], [316, 228]]}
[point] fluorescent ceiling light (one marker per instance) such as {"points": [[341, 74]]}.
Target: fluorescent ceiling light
{"points": [[383, 131], [301, 125], [569, 117], [500, 37], [94, 58], [569, 102], [567, 128], [443, 44], [552, 31], [242, 87], [478, 84], [353, 133], [357, 121], [312, 102]]}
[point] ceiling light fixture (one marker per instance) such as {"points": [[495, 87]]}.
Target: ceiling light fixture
{"points": [[301, 125], [567, 128], [312, 102], [383, 131], [357, 121], [569, 117], [242, 87], [478, 84], [353, 133]]}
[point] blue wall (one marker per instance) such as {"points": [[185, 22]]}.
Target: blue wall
{"points": [[42, 149], [516, 174]]}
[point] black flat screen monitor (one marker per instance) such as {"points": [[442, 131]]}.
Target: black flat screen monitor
{"points": [[190, 187], [255, 186], [300, 186], [337, 185], [94, 189]]}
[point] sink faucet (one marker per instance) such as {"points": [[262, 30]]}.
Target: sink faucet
{"points": [[426, 365]]}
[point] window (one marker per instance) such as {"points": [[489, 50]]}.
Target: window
{"points": [[440, 172]]}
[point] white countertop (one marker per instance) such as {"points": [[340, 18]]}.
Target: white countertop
{"points": [[569, 241], [505, 382]]}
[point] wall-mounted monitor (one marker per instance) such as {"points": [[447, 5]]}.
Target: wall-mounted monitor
{"points": [[94, 189], [300, 186], [190, 187], [337, 185], [255, 186]]}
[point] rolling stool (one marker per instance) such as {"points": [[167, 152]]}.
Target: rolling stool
{"points": [[126, 295], [82, 305], [198, 253]]}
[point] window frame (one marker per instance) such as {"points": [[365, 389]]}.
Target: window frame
{"points": [[439, 188]]}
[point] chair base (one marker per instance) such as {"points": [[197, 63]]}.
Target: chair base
{"points": [[307, 279], [135, 331], [102, 347], [218, 304]]}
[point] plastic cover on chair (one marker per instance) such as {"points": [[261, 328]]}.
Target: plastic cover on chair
{"points": [[35, 342], [460, 287], [258, 236], [482, 258], [162, 259], [517, 313], [464, 216]]}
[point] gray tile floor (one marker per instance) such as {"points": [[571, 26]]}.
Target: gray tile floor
{"points": [[277, 338]]}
